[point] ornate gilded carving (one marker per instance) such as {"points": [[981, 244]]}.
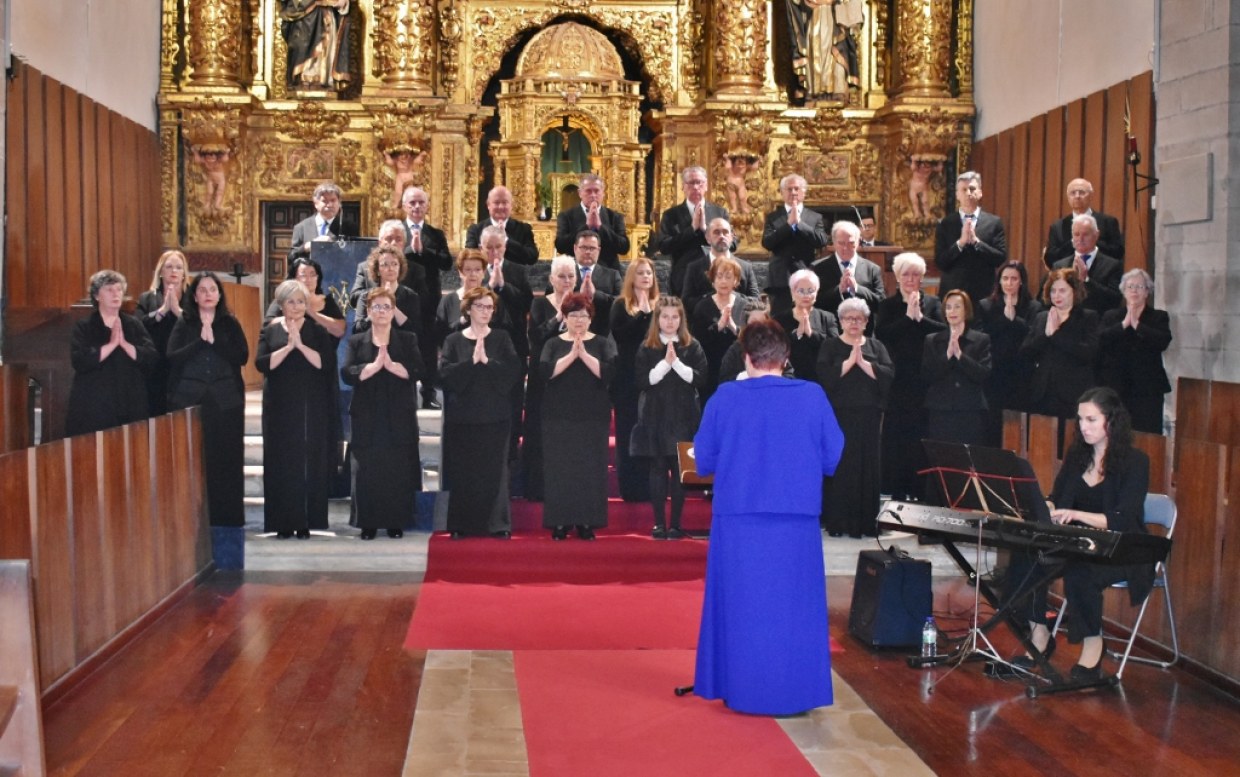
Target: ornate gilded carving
{"points": [[473, 167], [169, 46], [310, 122], [451, 31], [924, 46], [570, 51], [214, 42], [882, 28], [827, 130], [740, 45], [867, 172], [211, 131], [404, 52], [403, 149], [651, 40], [964, 50], [168, 176], [692, 49], [348, 163], [926, 139]]}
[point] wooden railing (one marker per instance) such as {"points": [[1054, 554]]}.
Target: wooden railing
{"points": [[114, 524], [21, 722]]}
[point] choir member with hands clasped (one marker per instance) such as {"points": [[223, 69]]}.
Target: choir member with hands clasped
{"points": [[1063, 342], [160, 309], [808, 327], [717, 319], [956, 363], [630, 321], [1006, 316], [1133, 338]]}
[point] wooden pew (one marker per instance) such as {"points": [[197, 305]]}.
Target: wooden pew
{"points": [[21, 721]]}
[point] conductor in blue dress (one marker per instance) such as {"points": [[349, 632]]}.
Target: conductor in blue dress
{"points": [[768, 440]]}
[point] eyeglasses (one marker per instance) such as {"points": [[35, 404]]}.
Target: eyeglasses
{"points": [[853, 319], [484, 308], [389, 264], [805, 290], [381, 307], [578, 314]]}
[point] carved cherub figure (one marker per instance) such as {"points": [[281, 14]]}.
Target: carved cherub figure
{"points": [[738, 166], [214, 163], [407, 168], [919, 186]]}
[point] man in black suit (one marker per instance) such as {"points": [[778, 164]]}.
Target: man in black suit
{"points": [[521, 248], [969, 244], [325, 224], [869, 229], [682, 229], [1059, 237], [845, 275], [794, 235], [722, 242], [613, 238], [1100, 272], [428, 248], [603, 284]]}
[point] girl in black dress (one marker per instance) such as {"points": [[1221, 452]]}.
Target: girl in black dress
{"points": [[383, 366], [111, 354], [577, 366], [717, 319], [478, 366], [630, 321], [546, 322], [298, 358], [207, 350], [670, 367], [160, 309], [1006, 315]]}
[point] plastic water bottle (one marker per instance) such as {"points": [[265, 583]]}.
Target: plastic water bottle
{"points": [[929, 639]]}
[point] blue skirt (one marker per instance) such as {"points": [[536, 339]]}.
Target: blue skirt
{"points": [[764, 646]]}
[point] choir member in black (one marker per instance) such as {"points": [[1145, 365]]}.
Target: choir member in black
{"points": [[671, 366], [478, 367], [1063, 343], [1102, 484], [112, 354], [902, 322], [383, 366], [856, 373], [717, 319], [385, 267], [955, 363], [631, 317], [322, 308], [207, 350], [808, 327], [159, 308], [1132, 339], [733, 365], [577, 366], [471, 266], [1006, 315], [298, 358], [546, 322], [511, 284]]}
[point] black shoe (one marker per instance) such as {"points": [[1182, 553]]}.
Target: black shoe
{"points": [[676, 533], [659, 533], [1086, 674], [284, 535], [585, 532], [456, 535], [396, 534], [835, 534], [369, 534], [559, 533], [429, 403], [502, 535], [303, 534]]}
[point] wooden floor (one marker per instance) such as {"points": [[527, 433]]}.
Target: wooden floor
{"points": [[299, 673]]}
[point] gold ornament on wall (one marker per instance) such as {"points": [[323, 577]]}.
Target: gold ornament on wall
{"points": [[828, 130], [404, 48], [310, 123]]}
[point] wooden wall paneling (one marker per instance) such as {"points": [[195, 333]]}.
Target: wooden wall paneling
{"points": [[1194, 562], [70, 215], [165, 505], [1154, 446], [14, 408], [127, 554], [1192, 409], [144, 539], [1094, 140], [1054, 202], [1110, 194], [36, 193], [91, 176], [15, 235], [998, 189], [1138, 222], [105, 224], [1014, 432], [194, 541], [1036, 218], [1073, 142], [1224, 407], [1043, 436], [246, 304], [50, 271], [16, 533], [51, 471], [93, 595], [125, 192], [1226, 638]]}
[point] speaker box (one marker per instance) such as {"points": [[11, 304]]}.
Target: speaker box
{"points": [[891, 599]]}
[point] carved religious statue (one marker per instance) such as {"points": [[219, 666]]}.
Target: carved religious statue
{"points": [[824, 43], [317, 35], [214, 165]]}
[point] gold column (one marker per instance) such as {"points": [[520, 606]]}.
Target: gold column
{"points": [[214, 43], [964, 50], [740, 46], [404, 43], [923, 47]]}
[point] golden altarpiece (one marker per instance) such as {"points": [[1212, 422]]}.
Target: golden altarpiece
{"points": [[459, 95]]}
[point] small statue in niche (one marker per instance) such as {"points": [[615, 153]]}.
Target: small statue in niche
{"points": [[408, 167], [738, 166], [825, 58], [214, 162], [317, 36], [919, 186]]}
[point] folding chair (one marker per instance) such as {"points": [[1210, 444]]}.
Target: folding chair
{"points": [[1159, 511]]}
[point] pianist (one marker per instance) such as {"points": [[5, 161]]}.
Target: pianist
{"points": [[1102, 484]]}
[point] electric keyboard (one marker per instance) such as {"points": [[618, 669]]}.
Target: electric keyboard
{"points": [[1080, 542]]}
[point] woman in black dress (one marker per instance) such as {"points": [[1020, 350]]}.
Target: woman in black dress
{"points": [[732, 367], [671, 366], [298, 358], [111, 354], [160, 308], [471, 266], [856, 373], [577, 366], [717, 319], [1063, 343], [385, 267], [808, 327], [478, 366], [322, 308], [1133, 338], [383, 366], [630, 319], [546, 322], [901, 323], [207, 350], [1006, 315], [955, 363]]}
